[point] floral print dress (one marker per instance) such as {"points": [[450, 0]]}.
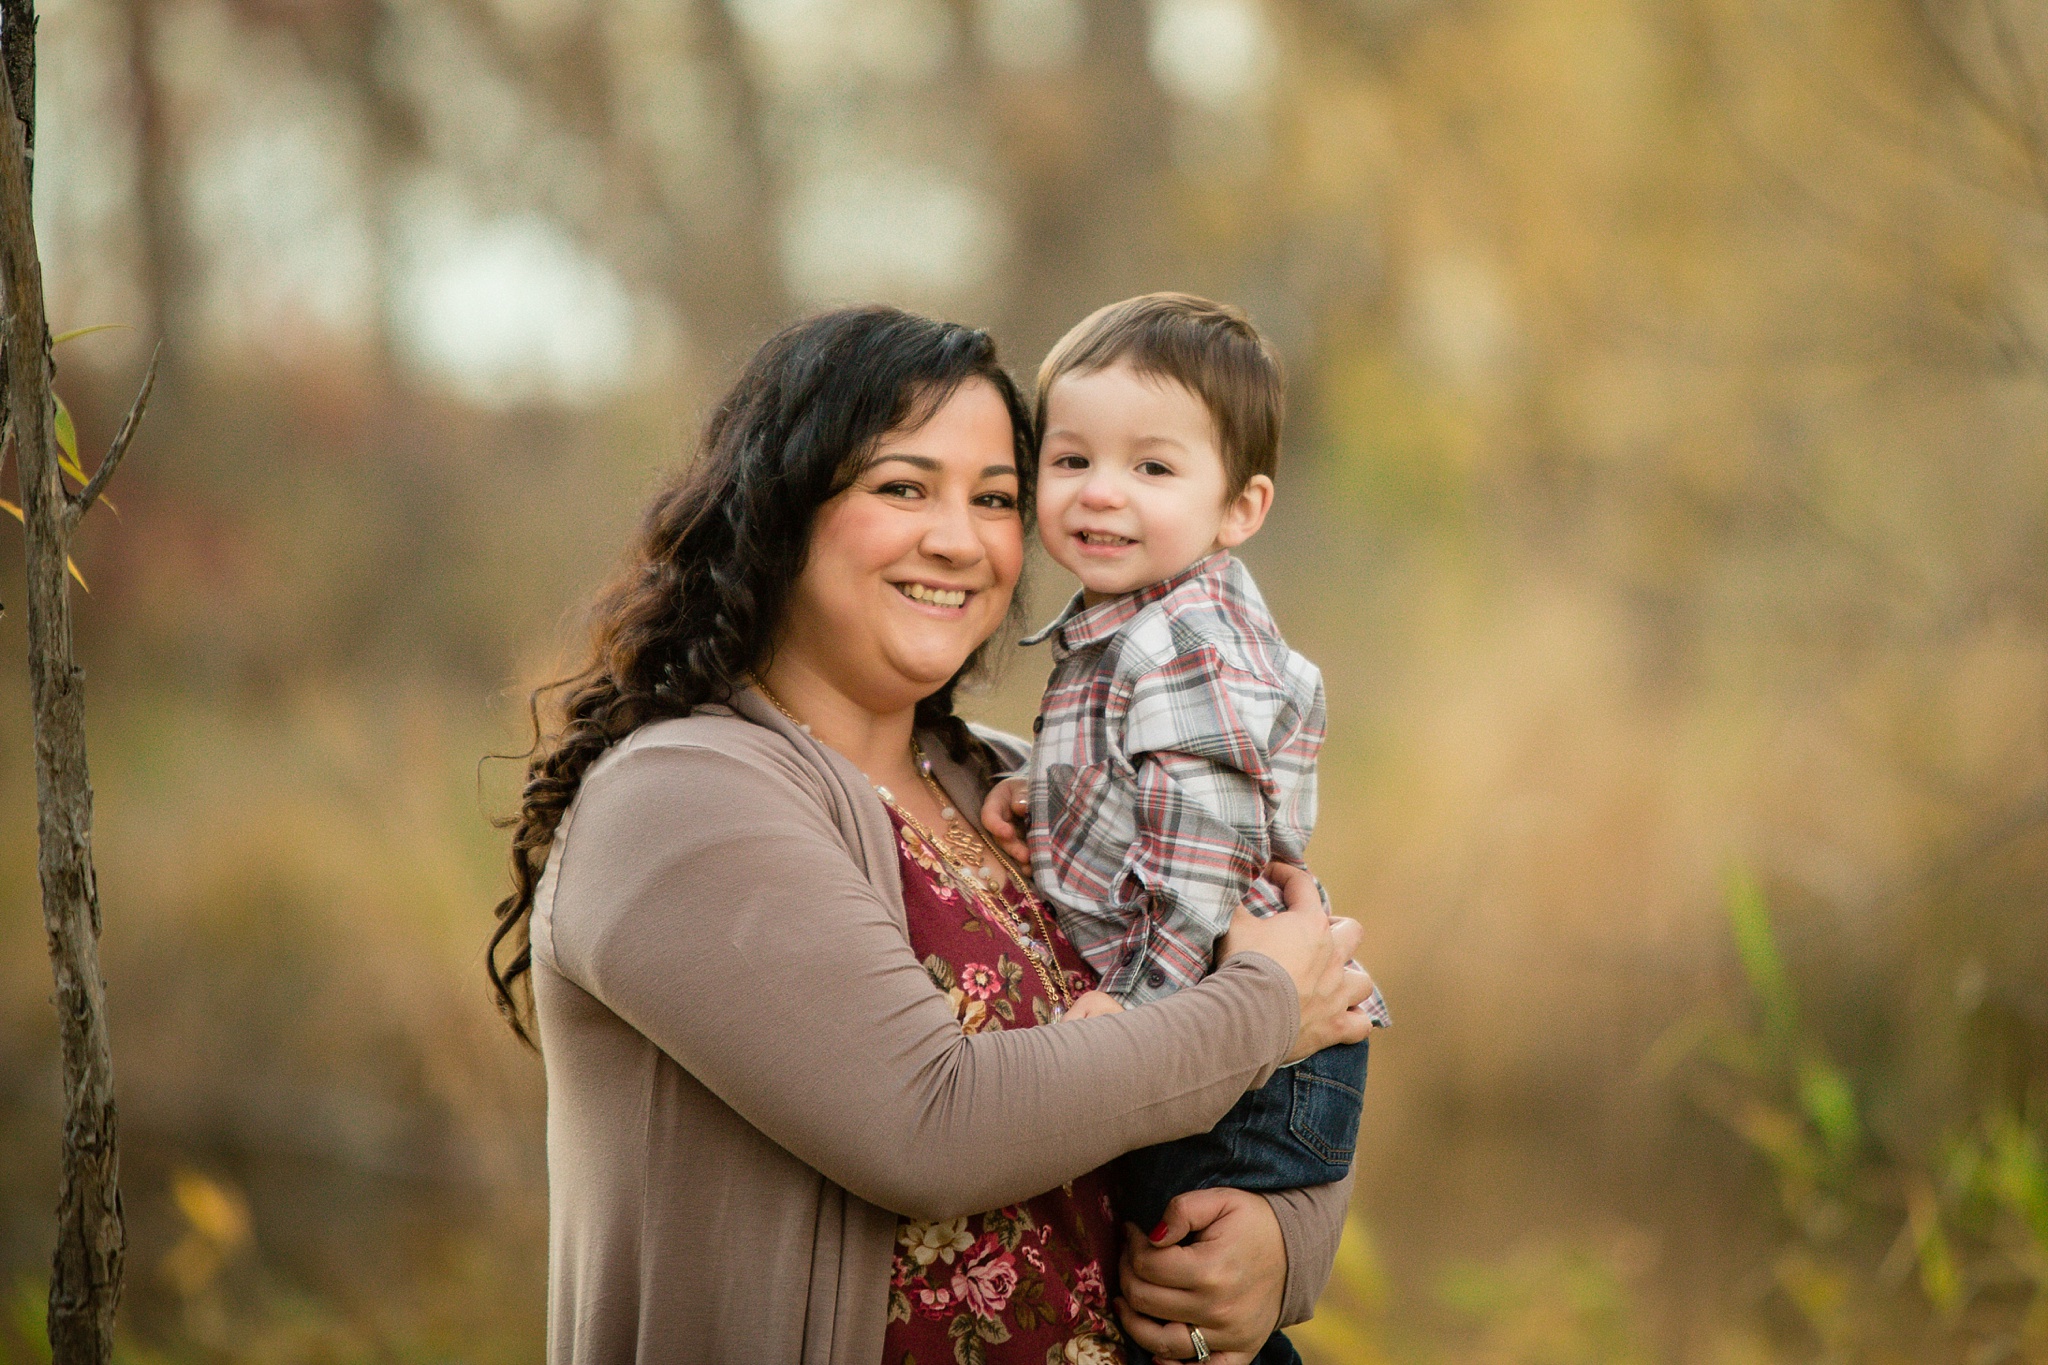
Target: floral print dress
{"points": [[1027, 1284]]}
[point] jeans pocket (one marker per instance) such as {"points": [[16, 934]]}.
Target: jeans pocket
{"points": [[1329, 1093]]}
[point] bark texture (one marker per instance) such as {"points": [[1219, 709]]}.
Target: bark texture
{"points": [[85, 1282]]}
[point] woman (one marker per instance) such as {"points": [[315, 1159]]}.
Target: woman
{"points": [[801, 1106]]}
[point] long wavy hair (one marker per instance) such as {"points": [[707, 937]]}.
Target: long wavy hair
{"points": [[697, 606]]}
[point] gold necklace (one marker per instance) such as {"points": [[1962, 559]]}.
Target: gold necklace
{"points": [[960, 854], [1037, 951], [776, 702], [1039, 946]]}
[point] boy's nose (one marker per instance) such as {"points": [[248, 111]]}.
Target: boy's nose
{"points": [[1101, 492]]}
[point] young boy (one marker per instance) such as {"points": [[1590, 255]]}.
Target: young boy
{"points": [[1176, 744]]}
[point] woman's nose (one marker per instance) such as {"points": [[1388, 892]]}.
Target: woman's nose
{"points": [[950, 536]]}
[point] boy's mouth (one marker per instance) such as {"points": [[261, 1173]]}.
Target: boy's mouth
{"points": [[1103, 540], [937, 597]]}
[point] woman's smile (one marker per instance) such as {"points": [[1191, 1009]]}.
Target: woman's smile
{"points": [[952, 601]]}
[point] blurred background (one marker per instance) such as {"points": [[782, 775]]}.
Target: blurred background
{"points": [[1666, 501]]}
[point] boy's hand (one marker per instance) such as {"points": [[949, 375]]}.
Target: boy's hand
{"points": [[1092, 1004], [1005, 814]]}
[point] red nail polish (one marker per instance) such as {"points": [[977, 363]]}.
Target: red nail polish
{"points": [[1159, 1232]]}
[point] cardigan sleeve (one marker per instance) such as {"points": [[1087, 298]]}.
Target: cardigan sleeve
{"points": [[710, 903], [1311, 1226]]}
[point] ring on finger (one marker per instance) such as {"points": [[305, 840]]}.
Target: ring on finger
{"points": [[1195, 1340]]}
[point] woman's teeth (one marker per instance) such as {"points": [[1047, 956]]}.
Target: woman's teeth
{"points": [[938, 597]]}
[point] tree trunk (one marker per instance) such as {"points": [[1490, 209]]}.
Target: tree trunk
{"points": [[85, 1282]]}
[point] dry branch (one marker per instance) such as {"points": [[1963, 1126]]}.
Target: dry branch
{"points": [[85, 1279], [88, 495]]}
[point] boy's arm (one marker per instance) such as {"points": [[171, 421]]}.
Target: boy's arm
{"points": [[1198, 734]]}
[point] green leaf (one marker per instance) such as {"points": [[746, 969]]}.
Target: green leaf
{"points": [[1940, 1278], [1829, 1102], [67, 451], [1762, 964], [67, 439], [2019, 1176], [67, 444], [77, 332], [69, 562]]}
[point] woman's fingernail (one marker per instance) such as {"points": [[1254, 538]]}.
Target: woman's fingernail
{"points": [[1159, 1233]]}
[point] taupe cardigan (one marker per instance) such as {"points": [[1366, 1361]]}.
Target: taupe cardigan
{"points": [[750, 1076]]}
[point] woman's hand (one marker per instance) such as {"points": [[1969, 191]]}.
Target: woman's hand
{"points": [[1228, 1281], [1316, 950], [1005, 814]]}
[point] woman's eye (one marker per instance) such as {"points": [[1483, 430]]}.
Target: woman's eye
{"points": [[1002, 501], [900, 490]]}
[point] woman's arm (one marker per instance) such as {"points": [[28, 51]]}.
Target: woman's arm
{"points": [[1311, 1225], [709, 902]]}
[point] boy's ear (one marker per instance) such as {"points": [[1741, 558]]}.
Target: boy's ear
{"points": [[1244, 514]]}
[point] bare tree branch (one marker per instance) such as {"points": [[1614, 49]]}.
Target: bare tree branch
{"points": [[85, 1272], [82, 501]]}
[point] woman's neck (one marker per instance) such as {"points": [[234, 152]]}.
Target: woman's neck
{"points": [[876, 742]]}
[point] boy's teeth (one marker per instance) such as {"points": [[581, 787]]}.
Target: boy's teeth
{"points": [[938, 597], [1098, 538]]}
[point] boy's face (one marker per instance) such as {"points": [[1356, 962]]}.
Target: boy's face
{"points": [[1131, 481]]}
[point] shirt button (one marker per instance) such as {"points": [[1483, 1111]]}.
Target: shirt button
{"points": [[1037, 724], [1155, 978]]}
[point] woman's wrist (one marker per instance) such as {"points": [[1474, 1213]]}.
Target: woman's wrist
{"points": [[1287, 1018]]}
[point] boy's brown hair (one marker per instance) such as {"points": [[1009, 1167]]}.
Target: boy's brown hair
{"points": [[1210, 348]]}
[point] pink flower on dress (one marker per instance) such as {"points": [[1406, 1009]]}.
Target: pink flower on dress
{"points": [[1088, 1287], [986, 1278], [935, 1303], [980, 980]]}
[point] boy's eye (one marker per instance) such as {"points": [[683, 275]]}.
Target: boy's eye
{"points": [[1154, 468], [1070, 462]]}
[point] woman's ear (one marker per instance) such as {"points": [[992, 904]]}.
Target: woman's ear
{"points": [[1244, 514]]}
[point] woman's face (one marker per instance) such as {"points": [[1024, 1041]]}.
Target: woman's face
{"points": [[912, 567]]}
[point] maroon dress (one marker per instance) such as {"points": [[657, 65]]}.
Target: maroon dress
{"points": [[1027, 1284]]}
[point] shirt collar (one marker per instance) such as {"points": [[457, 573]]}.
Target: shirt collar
{"points": [[1079, 625]]}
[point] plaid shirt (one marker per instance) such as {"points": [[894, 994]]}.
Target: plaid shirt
{"points": [[1175, 758]]}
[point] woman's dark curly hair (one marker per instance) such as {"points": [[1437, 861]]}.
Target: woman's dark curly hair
{"points": [[696, 608]]}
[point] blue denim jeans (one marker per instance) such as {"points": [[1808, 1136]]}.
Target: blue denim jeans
{"points": [[1299, 1128]]}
